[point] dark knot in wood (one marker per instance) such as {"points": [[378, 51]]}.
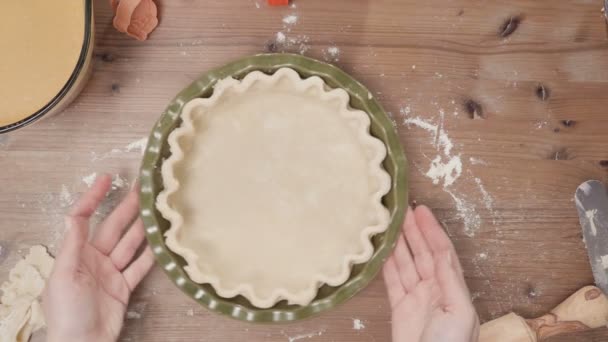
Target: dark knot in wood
{"points": [[106, 57], [568, 123], [542, 92], [115, 88], [473, 109], [509, 26]]}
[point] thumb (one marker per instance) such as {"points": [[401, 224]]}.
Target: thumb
{"points": [[455, 294], [74, 240]]}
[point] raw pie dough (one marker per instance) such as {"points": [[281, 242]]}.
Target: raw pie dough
{"points": [[273, 188], [20, 311]]}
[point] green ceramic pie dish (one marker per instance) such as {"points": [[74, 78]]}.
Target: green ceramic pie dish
{"points": [[151, 185]]}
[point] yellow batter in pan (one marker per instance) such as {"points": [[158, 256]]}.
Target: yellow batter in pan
{"points": [[40, 43]]}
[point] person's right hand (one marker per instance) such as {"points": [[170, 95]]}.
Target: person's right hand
{"points": [[429, 298], [88, 291]]}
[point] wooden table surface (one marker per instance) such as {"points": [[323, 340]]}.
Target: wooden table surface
{"points": [[518, 87]]}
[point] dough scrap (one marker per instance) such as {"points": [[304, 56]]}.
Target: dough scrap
{"points": [[273, 188], [20, 310]]}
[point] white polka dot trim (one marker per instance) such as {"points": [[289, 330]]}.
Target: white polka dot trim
{"points": [[199, 294]]}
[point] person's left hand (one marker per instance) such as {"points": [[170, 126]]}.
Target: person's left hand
{"points": [[428, 294], [89, 288]]}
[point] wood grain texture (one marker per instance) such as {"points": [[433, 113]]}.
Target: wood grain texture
{"points": [[527, 101]]}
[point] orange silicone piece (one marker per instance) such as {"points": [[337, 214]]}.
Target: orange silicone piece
{"points": [[136, 18], [278, 2]]}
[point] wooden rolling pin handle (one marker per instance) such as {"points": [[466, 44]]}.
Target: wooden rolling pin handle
{"points": [[586, 309]]}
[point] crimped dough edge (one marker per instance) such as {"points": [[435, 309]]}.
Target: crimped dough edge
{"points": [[171, 186]]}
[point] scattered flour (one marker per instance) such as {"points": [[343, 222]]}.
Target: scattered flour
{"points": [[604, 261], [333, 50], [281, 38], [358, 324], [477, 161], [449, 171], [488, 201], [304, 336], [137, 311], [446, 168], [90, 179], [137, 145], [440, 136], [290, 19], [65, 198], [540, 124], [586, 188], [482, 256], [190, 312], [133, 146], [467, 212], [297, 43], [118, 182], [133, 315], [591, 217], [332, 53], [405, 111]]}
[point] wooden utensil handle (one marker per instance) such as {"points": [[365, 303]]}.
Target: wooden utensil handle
{"points": [[586, 309]]}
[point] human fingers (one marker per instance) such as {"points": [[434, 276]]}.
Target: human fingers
{"points": [[420, 251], [475, 337], [77, 225], [75, 238], [435, 236], [111, 229], [455, 295], [139, 268], [90, 200], [126, 248], [405, 265], [395, 290]]}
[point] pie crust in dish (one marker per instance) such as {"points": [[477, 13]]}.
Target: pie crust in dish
{"points": [[273, 188]]}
